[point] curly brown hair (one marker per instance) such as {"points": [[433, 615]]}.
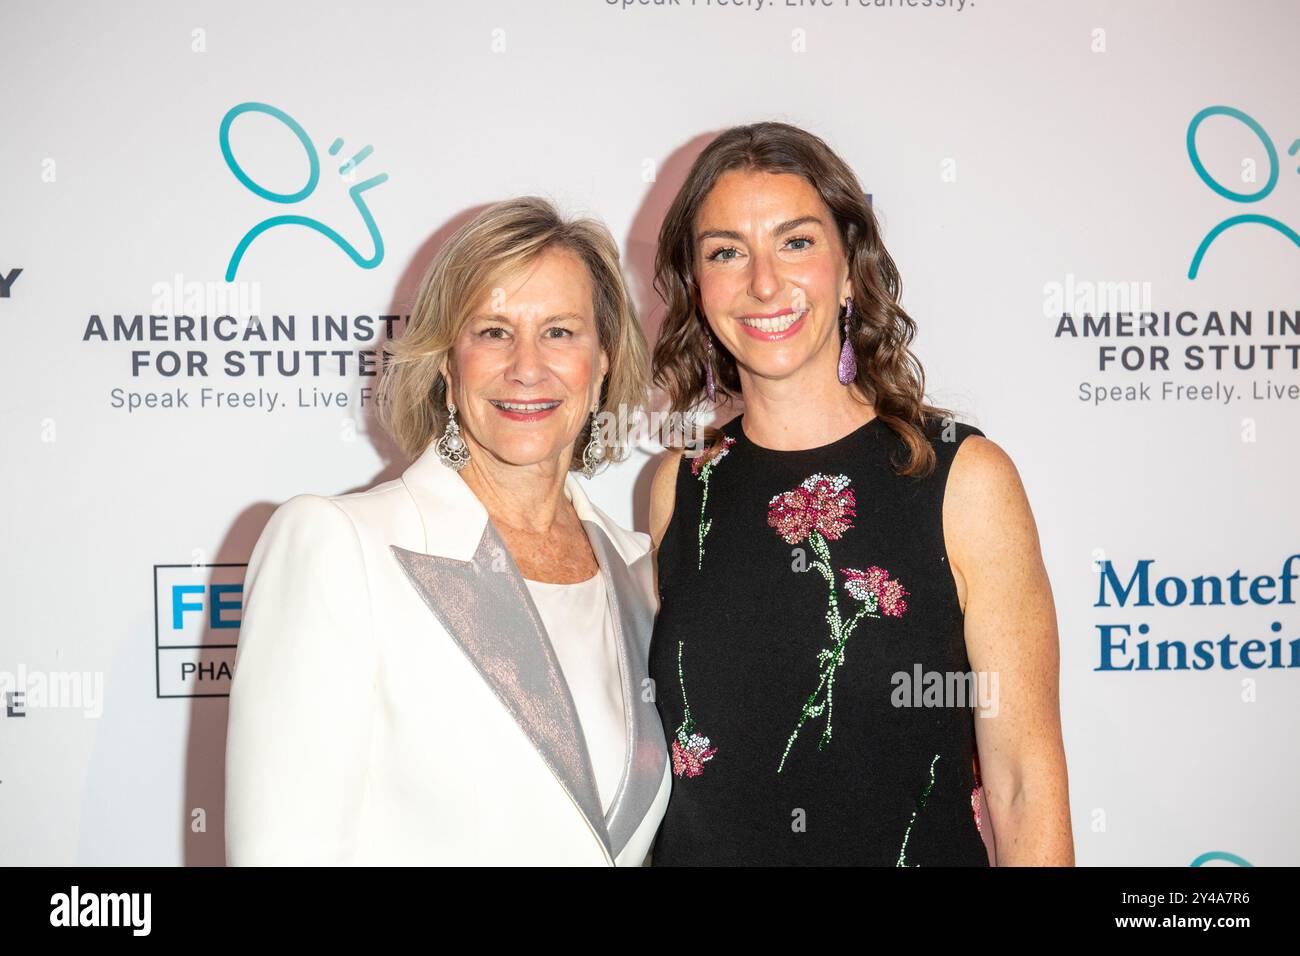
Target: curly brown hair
{"points": [[889, 375]]}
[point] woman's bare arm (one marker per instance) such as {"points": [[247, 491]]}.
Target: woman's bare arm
{"points": [[663, 494], [1011, 632]]}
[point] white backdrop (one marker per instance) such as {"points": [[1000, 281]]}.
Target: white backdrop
{"points": [[1026, 159]]}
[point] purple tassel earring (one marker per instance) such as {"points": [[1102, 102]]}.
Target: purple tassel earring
{"points": [[848, 361], [708, 372]]}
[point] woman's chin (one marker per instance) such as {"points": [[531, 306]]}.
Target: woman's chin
{"points": [[523, 451], [774, 363]]}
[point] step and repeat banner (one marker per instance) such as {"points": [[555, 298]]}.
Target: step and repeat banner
{"points": [[1094, 207]]}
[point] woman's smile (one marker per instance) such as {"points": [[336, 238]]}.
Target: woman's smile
{"points": [[775, 327], [525, 411]]}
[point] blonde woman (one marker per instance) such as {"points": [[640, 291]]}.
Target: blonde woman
{"points": [[447, 668]]}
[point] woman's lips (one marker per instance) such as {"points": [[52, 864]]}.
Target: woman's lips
{"points": [[534, 413], [774, 322]]}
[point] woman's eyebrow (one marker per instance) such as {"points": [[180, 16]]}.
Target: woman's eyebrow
{"points": [[719, 234], [500, 317], [795, 224], [778, 230]]}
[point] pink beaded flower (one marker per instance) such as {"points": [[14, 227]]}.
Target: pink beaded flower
{"points": [[875, 586], [689, 754], [821, 503], [710, 459]]}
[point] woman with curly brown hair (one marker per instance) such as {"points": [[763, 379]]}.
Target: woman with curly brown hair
{"points": [[847, 575]]}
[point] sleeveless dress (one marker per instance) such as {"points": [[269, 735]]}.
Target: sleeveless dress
{"points": [[804, 598]]}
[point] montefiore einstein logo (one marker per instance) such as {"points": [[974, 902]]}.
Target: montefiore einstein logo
{"points": [[1124, 646]]}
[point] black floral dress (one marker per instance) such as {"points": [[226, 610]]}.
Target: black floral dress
{"points": [[809, 660]]}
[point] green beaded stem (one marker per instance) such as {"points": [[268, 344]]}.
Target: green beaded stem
{"points": [[705, 472], [688, 724], [829, 659], [902, 853]]}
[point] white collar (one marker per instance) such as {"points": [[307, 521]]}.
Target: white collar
{"points": [[454, 517]]}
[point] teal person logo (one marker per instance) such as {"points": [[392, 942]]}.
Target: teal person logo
{"points": [[1223, 191], [313, 177]]}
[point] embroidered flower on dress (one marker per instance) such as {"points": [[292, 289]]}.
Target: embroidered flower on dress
{"points": [[689, 754], [820, 503], [874, 586], [864, 585], [690, 750], [817, 511], [975, 802], [709, 459], [702, 468]]}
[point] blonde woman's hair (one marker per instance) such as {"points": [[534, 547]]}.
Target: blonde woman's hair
{"points": [[501, 240]]}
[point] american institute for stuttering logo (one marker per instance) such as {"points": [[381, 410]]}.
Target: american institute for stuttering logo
{"points": [[313, 178], [1248, 175], [197, 612], [1196, 355]]}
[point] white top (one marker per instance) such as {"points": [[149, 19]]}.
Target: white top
{"points": [[581, 628]]}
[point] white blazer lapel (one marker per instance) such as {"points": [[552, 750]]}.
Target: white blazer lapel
{"points": [[472, 585], [625, 561]]}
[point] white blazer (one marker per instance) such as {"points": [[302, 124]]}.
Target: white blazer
{"points": [[396, 698]]}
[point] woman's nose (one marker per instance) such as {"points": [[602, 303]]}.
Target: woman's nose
{"points": [[763, 280], [527, 362]]}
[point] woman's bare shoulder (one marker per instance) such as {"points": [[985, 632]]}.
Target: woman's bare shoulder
{"points": [[981, 468], [986, 507], [663, 493]]}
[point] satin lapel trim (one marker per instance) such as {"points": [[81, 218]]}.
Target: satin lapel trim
{"points": [[484, 604], [645, 753]]}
